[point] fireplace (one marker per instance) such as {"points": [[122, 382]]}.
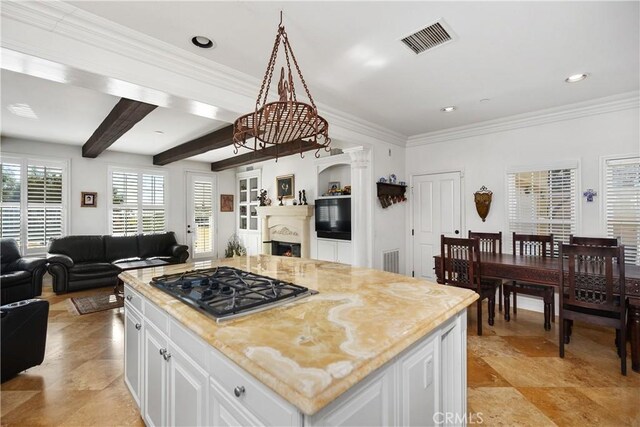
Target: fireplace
{"points": [[285, 249], [286, 229]]}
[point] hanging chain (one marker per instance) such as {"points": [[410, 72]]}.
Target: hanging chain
{"points": [[270, 66], [286, 54], [295, 62]]}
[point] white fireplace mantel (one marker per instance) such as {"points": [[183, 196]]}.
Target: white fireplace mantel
{"points": [[286, 224]]}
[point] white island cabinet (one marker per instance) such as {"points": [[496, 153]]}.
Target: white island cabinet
{"points": [[194, 371]]}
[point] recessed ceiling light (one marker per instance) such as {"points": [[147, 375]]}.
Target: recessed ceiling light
{"points": [[448, 109], [159, 132], [22, 110], [203, 42], [483, 100], [576, 78]]}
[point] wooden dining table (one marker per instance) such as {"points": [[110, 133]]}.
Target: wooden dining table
{"points": [[545, 271]]}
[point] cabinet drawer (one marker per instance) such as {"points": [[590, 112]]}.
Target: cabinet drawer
{"points": [[133, 298], [267, 406], [188, 343], [156, 316]]}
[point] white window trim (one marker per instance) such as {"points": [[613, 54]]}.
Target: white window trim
{"points": [[52, 161], [139, 171], [564, 164]]}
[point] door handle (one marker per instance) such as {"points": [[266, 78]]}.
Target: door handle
{"points": [[457, 231]]}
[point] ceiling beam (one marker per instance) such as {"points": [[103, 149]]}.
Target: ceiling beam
{"points": [[282, 150], [120, 120], [212, 141]]}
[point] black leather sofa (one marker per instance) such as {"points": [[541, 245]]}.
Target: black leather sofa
{"points": [[81, 262], [24, 335], [20, 278]]}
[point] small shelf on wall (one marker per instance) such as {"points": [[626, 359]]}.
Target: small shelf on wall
{"points": [[388, 194]]}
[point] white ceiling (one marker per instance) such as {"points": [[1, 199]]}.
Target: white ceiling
{"points": [[517, 54]]}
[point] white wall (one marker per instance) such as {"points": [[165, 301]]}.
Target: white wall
{"points": [[91, 175]]}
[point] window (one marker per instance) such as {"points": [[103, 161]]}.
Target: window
{"points": [[622, 204], [137, 202], [33, 202], [542, 202], [248, 202]]}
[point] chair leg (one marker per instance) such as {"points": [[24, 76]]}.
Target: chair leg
{"points": [[561, 338], [492, 308], [553, 306], [515, 302], [507, 304], [623, 346], [479, 304], [547, 316], [500, 297], [618, 346], [566, 327]]}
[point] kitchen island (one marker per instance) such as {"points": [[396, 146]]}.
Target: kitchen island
{"points": [[371, 348]]}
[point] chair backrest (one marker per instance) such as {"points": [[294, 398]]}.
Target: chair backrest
{"points": [[587, 277], [593, 241], [9, 251], [460, 262], [489, 242], [533, 244]]}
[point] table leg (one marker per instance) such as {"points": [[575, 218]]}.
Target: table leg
{"points": [[634, 332]]}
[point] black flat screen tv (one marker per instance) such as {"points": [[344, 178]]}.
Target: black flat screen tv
{"points": [[333, 218]]}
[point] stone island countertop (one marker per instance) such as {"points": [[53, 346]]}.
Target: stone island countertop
{"points": [[312, 350]]}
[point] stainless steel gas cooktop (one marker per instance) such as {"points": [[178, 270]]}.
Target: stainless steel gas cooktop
{"points": [[227, 292]]}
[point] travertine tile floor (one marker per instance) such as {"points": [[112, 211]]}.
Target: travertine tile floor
{"points": [[514, 373]]}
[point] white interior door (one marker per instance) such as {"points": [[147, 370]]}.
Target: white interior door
{"points": [[201, 215], [436, 211]]}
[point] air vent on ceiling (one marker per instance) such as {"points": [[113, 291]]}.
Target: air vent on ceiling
{"points": [[428, 38]]}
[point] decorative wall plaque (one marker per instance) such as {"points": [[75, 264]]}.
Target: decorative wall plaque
{"points": [[483, 202]]}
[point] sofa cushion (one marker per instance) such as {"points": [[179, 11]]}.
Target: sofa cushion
{"points": [[9, 252], [154, 245], [117, 248], [93, 270], [79, 248], [15, 278]]}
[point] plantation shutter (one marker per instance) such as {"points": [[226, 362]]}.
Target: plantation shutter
{"points": [[10, 201], [203, 211], [622, 210], [153, 211], [542, 202], [124, 213], [44, 205], [138, 203]]}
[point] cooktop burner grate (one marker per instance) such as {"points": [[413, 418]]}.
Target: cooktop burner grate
{"points": [[225, 292]]}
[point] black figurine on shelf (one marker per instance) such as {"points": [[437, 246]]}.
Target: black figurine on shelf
{"points": [[304, 197], [263, 198], [280, 198], [299, 197]]}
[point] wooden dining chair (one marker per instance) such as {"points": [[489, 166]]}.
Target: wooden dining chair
{"points": [[593, 241], [460, 264], [491, 243], [533, 245], [588, 291]]}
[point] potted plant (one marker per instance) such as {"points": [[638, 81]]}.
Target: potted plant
{"points": [[234, 247]]}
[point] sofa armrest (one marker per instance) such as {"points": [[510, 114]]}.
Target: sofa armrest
{"points": [[181, 252], [27, 264], [60, 259]]}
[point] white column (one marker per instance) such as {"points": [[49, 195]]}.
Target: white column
{"points": [[360, 205]]}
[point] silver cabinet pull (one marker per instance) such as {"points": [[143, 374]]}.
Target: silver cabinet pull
{"points": [[166, 355], [238, 391], [138, 326], [163, 351], [129, 297]]}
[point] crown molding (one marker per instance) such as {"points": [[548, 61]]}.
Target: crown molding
{"points": [[67, 20], [604, 105]]}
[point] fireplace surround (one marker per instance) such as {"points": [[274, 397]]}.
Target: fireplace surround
{"points": [[286, 227]]}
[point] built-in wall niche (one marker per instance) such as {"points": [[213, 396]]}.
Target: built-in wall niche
{"points": [[333, 171]]}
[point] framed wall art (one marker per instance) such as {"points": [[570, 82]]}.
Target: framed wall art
{"points": [[89, 199], [284, 186], [226, 203]]}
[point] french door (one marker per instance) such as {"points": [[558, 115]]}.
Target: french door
{"points": [[435, 211], [201, 232]]}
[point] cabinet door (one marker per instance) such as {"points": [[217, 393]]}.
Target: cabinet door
{"points": [[133, 352], [155, 377], [225, 413], [419, 386], [344, 252], [187, 390], [327, 250]]}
